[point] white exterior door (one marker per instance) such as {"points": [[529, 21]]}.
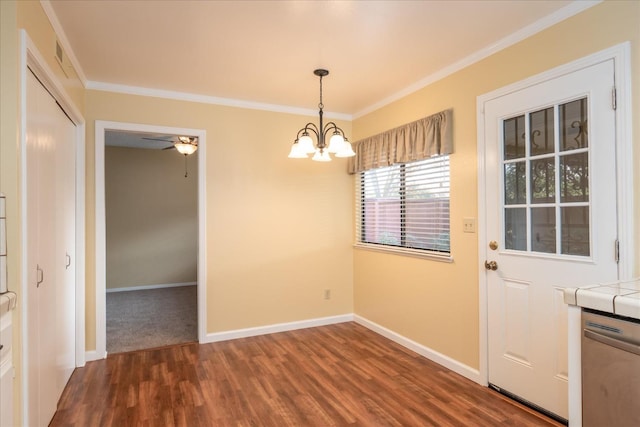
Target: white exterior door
{"points": [[551, 223]]}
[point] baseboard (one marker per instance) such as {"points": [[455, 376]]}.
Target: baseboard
{"points": [[90, 356], [147, 287], [278, 327], [439, 358]]}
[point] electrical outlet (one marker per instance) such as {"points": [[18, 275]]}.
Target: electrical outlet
{"points": [[469, 225], [327, 294]]}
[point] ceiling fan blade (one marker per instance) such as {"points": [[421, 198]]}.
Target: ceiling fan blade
{"points": [[157, 139], [169, 148]]}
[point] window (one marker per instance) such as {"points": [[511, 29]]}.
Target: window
{"points": [[405, 206]]}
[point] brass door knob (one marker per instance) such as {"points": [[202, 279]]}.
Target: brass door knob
{"points": [[491, 265], [493, 245]]}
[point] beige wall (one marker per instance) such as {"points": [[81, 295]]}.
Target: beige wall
{"points": [[435, 303], [151, 217], [278, 230], [32, 18]]}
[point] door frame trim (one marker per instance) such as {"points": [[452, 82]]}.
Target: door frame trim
{"points": [[31, 58], [101, 127], [621, 55]]}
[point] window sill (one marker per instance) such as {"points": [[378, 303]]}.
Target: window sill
{"points": [[415, 253]]}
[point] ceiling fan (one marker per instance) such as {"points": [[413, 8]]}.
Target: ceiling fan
{"points": [[184, 145]]}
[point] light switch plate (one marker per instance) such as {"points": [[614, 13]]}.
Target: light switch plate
{"points": [[469, 225]]}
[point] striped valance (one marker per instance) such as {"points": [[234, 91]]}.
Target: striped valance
{"points": [[426, 137]]}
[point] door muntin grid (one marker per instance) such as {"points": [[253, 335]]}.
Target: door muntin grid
{"points": [[545, 180]]}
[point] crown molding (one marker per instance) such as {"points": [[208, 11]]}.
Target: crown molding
{"points": [[206, 99], [560, 15]]}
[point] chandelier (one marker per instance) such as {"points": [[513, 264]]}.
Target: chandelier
{"points": [[338, 143]]}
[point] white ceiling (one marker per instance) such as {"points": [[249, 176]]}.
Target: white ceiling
{"points": [[265, 51], [154, 141]]}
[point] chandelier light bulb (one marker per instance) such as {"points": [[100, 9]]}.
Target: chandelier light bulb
{"points": [[336, 143], [321, 156], [297, 152], [306, 144], [346, 150]]}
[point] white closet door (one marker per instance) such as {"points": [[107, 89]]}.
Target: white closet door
{"points": [[47, 236], [51, 290], [65, 251], [39, 240]]}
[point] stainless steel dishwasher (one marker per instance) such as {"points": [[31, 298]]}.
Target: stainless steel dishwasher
{"points": [[610, 370]]}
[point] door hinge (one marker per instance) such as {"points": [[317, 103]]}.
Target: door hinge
{"points": [[617, 250], [614, 98]]}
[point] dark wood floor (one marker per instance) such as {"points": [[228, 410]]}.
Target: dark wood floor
{"points": [[337, 375]]}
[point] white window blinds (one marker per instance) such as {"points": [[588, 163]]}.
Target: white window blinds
{"points": [[405, 205]]}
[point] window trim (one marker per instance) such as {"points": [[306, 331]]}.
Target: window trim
{"points": [[408, 252]]}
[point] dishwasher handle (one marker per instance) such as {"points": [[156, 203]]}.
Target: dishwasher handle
{"points": [[622, 345]]}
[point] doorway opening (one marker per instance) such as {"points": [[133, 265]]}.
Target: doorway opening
{"points": [[149, 221], [151, 213]]}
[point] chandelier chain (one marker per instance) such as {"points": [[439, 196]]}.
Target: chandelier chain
{"points": [[321, 105]]}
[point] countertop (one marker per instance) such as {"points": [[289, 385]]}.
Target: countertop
{"points": [[7, 302], [621, 298]]}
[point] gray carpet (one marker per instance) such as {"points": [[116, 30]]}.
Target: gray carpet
{"points": [[151, 318]]}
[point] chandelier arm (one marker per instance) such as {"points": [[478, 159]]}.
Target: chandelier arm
{"points": [[309, 127], [332, 126]]}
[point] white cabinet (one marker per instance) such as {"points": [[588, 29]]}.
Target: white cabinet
{"points": [[50, 296]]}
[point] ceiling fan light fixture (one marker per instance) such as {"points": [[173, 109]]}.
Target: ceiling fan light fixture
{"points": [[185, 149], [186, 145]]}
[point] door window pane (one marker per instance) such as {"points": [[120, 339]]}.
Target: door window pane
{"points": [[514, 141], [515, 228], [542, 137], [543, 230], [543, 180], [515, 184], [573, 125], [574, 178], [546, 180], [575, 230]]}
